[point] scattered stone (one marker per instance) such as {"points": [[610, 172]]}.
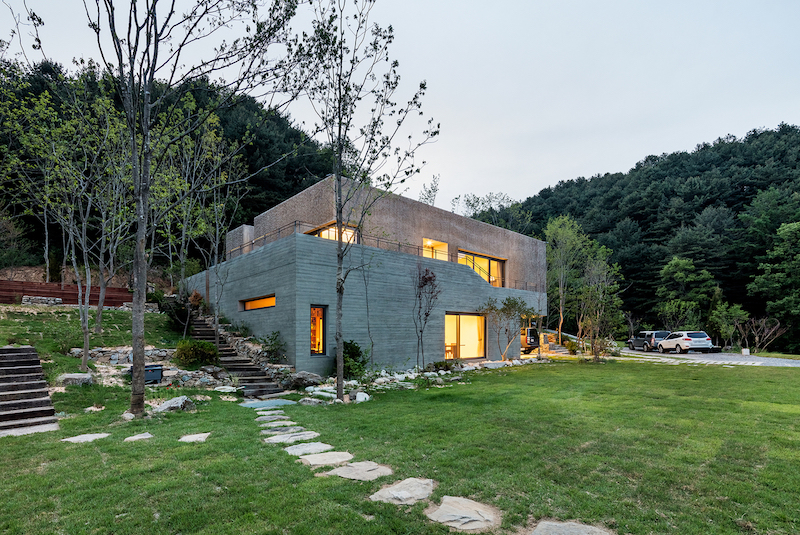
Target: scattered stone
{"points": [[271, 418], [323, 394], [362, 471], [284, 423], [300, 380], [331, 458], [201, 397], [283, 430], [494, 364], [267, 403], [308, 448], [362, 396], [140, 436], [228, 398], [94, 408], [180, 403], [312, 401], [68, 379], [406, 492], [198, 437], [228, 389], [549, 527], [90, 437], [291, 438], [270, 413], [464, 514], [128, 416]]}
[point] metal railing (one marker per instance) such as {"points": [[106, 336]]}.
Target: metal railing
{"points": [[301, 227]]}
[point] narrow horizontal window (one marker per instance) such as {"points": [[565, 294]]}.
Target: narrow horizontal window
{"points": [[260, 302]]}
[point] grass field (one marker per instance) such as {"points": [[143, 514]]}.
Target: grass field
{"points": [[638, 448]]}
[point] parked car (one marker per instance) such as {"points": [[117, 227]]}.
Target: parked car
{"points": [[647, 340], [528, 340], [685, 341]]}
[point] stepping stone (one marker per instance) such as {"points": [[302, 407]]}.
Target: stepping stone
{"points": [[267, 404], [331, 458], [140, 436], [362, 471], [461, 513], [282, 430], [550, 527], [270, 413], [284, 423], [291, 438], [228, 389], [90, 437], [406, 492], [307, 448], [199, 437], [271, 418]]}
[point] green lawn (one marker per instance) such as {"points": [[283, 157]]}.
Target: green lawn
{"points": [[639, 448]]}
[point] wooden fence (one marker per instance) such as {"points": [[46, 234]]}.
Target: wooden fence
{"points": [[12, 292]]}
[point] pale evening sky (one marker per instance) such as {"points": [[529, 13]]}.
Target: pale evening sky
{"points": [[529, 93]]}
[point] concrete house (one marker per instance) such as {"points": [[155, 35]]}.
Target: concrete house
{"points": [[280, 275]]}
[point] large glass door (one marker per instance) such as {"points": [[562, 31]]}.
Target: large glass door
{"points": [[464, 336]]}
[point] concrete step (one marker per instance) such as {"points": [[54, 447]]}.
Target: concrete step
{"points": [[10, 361], [21, 378], [12, 350], [24, 414], [20, 370], [30, 385], [26, 403], [12, 395], [28, 422]]}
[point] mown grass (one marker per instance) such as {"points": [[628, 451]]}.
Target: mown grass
{"points": [[638, 448], [53, 331]]}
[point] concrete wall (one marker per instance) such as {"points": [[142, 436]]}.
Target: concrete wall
{"points": [[403, 220], [301, 271]]}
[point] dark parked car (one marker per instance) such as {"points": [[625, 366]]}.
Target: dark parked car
{"points": [[647, 340], [528, 340]]}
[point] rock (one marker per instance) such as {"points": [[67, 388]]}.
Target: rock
{"points": [[461, 513], [278, 424], [68, 379], [180, 403], [455, 378], [308, 448], [362, 396], [267, 403], [406, 492], [549, 527], [363, 471], [331, 458], [127, 416], [90, 437], [300, 380], [210, 369], [494, 364], [198, 437], [270, 413], [271, 418], [140, 436], [324, 395], [283, 430], [311, 401], [291, 438], [223, 388], [438, 380]]}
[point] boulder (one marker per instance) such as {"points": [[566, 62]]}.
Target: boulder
{"points": [[181, 403], [312, 401], [300, 380], [68, 379]]}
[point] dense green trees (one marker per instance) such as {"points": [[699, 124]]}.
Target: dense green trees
{"points": [[719, 206]]}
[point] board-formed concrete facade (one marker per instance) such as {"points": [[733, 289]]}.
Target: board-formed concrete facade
{"points": [[299, 270]]}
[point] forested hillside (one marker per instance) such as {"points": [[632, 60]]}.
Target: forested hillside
{"points": [[720, 206]]}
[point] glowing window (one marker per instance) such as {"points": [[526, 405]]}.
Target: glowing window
{"points": [[434, 249], [490, 269], [330, 233], [317, 330], [260, 302]]}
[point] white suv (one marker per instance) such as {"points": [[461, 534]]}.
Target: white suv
{"points": [[685, 341]]}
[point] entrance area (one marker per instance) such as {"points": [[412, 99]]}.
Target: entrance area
{"points": [[464, 336]]}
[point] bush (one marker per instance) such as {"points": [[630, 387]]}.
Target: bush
{"points": [[274, 348], [177, 311], [442, 365], [571, 346], [355, 361], [196, 353]]}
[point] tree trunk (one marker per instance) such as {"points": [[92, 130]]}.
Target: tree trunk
{"points": [[101, 298]]}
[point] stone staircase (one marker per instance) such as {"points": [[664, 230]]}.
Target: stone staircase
{"points": [[249, 375], [25, 405]]}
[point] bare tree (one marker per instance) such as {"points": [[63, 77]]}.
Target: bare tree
{"points": [[428, 194], [764, 331], [506, 320], [426, 294], [354, 95]]}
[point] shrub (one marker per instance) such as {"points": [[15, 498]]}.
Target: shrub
{"points": [[191, 353], [571, 346], [274, 348], [177, 311], [355, 361], [446, 365]]}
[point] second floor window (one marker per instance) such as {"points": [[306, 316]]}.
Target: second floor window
{"points": [[490, 269]]}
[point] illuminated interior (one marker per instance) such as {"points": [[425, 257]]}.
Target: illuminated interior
{"points": [[261, 302], [464, 336], [317, 330], [434, 249], [490, 269], [330, 233]]}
